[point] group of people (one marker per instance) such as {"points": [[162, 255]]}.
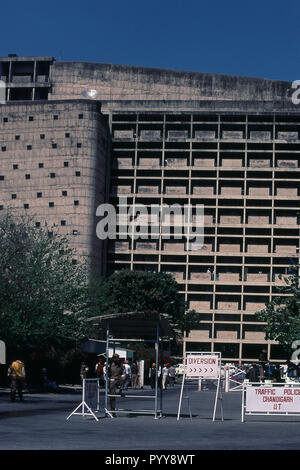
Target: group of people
{"points": [[258, 372], [129, 375], [166, 376]]}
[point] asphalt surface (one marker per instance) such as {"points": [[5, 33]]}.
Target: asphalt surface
{"points": [[40, 423]]}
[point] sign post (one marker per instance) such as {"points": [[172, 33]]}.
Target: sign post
{"points": [[275, 399], [90, 398], [203, 366]]}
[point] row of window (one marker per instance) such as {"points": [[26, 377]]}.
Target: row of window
{"points": [[51, 204], [55, 117], [52, 175], [29, 147]]}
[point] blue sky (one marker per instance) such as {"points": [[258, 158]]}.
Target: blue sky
{"points": [[249, 38]]}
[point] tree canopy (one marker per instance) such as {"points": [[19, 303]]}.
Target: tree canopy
{"points": [[282, 315], [133, 291], [43, 294]]}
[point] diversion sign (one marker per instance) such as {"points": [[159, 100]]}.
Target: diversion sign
{"points": [[206, 366], [271, 399]]}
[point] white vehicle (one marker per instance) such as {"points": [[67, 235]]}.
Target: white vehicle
{"points": [[179, 369]]}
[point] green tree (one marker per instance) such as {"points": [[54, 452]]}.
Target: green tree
{"points": [[43, 294], [282, 315], [133, 291]]}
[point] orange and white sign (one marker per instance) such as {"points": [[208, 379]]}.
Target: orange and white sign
{"points": [[202, 366], [280, 399]]}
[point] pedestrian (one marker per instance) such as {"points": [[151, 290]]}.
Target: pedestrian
{"points": [[262, 363], [134, 375], [276, 374], [253, 375], [126, 374], [16, 373], [84, 371], [165, 376], [99, 371], [114, 372], [172, 375], [152, 375], [47, 384]]}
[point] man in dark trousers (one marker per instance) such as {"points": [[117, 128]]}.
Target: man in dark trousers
{"points": [[16, 373], [115, 372]]}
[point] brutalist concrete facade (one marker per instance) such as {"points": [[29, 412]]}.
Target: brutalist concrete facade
{"points": [[54, 158], [230, 143]]}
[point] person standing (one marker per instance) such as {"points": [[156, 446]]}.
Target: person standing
{"points": [[99, 371], [134, 375], [165, 376], [253, 375], [262, 363], [172, 375], [16, 373], [84, 371], [127, 374], [115, 372], [152, 375]]}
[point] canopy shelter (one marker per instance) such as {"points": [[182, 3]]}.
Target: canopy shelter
{"points": [[147, 327]]}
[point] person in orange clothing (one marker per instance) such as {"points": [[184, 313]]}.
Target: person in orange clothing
{"points": [[16, 373]]}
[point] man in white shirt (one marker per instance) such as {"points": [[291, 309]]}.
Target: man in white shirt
{"points": [[165, 376], [127, 374]]}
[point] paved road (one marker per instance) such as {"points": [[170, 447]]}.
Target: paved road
{"points": [[40, 424]]}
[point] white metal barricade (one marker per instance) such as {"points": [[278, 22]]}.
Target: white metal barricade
{"points": [[90, 399], [270, 399], [234, 381], [202, 366]]}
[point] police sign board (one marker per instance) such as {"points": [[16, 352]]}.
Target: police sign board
{"points": [[206, 366], [91, 393], [271, 399]]}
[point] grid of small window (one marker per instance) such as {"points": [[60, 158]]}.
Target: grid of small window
{"points": [[14, 196], [78, 145], [41, 165], [26, 206], [77, 173], [55, 117], [80, 116], [29, 147], [64, 193], [27, 177], [1, 207], [15, 166], [66, 164], [42, 136], [1, 177], [62, 223], [39, 194], [52, 175], [51, 204], [30, 118], [38, 224], [5, 119], [17, 137], [3, 148], [76, 203], [54, 146], [67, 135]]}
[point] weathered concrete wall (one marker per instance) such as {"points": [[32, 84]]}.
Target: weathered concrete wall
{"points": [[122, 82], [51, 148]]}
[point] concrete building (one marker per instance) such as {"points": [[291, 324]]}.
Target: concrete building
{"points": [[229, 143]]}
